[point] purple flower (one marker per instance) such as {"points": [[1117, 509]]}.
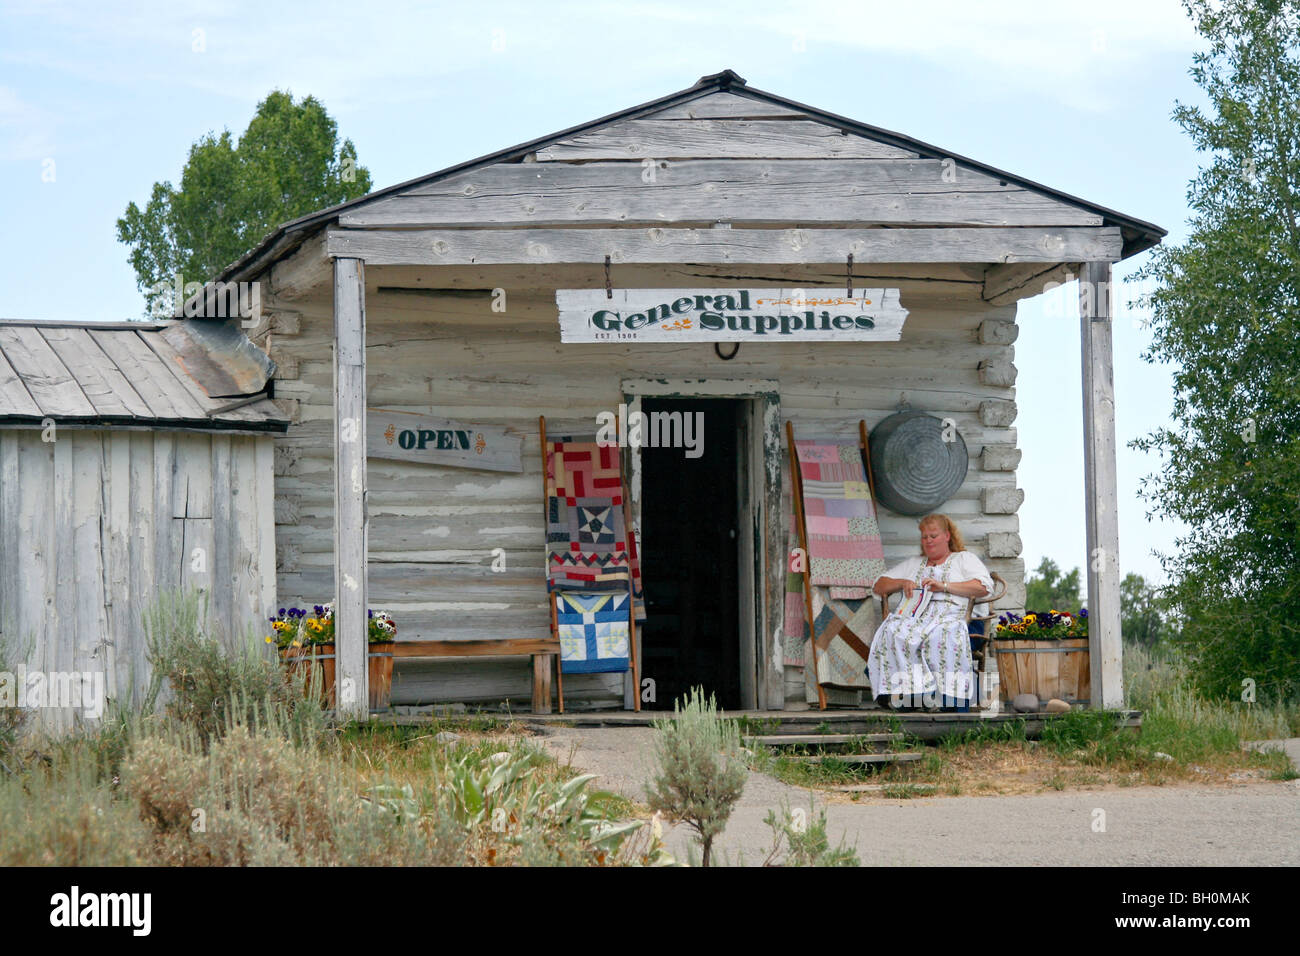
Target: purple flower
{"points": [[1083, 612], [281, 612]]}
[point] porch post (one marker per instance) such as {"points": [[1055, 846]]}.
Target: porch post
{"points": [[350, 519], [1100, 487]]}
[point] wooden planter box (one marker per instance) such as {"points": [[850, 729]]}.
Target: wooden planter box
{"points": [[319, 668], [297, 661], [379, 667], [325, 654], [316, 665], [1045, 668]]}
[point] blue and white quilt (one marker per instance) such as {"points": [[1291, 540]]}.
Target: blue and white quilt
{"points": [[593, 631]]}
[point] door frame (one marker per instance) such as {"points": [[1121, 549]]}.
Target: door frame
{"points": [[762, 678]]}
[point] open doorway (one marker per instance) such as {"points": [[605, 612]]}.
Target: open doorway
{"points": [[696, 564]]}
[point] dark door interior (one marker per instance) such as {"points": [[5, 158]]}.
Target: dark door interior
{"points": [[689, 527]]}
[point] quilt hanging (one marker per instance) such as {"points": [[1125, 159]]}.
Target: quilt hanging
{"points": [[845, 557], [588, 545], [844, 549], [593, 627]]}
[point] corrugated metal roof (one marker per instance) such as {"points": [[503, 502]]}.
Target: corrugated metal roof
{"points": [[180, 374]]}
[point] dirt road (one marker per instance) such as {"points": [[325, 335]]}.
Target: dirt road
{"points": [[1251, 824]]}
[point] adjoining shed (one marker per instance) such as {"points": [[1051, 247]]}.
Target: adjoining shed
{"points": [[441, 297], [134, 457]]}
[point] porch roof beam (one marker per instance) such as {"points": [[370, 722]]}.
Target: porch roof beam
{"points": [[993, 244]]}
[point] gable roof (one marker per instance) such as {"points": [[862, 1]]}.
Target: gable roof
{"points": [[190, 375], [1138, 234]]}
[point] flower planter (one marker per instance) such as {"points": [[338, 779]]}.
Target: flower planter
{"points": [[325, 654], [297, 661], [1046, 669], [379, 660], [315, 663]]}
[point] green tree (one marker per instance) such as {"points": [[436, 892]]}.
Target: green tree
{"points": [[1143, 613], [287, 164], [1047, 589], [1224, 314]]}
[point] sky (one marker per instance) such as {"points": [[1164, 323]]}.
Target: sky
{"points": [[100, 100]]}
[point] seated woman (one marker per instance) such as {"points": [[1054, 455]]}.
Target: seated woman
{"points": [[929, 654]]}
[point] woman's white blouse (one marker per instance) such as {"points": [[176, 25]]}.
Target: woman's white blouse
{"points": [[962, 566]]}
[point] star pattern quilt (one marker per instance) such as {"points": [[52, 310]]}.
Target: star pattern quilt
{"points": [[588, 545]]}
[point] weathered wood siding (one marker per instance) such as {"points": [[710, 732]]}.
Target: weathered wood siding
{"points": [[722, 190], [95, 523], [433, 530]]}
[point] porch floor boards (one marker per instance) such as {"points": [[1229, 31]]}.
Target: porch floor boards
{"points": [[926, 726]]}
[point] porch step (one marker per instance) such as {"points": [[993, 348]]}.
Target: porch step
{"points": [[821, 740], [903, 757], [920, 789]]}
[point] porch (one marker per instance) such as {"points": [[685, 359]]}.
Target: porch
{"points": [[857, 721]]}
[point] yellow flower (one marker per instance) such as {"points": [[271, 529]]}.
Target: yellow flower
{"points": [[269, 638]]}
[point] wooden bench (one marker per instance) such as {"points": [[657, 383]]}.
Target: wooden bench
{"points": [[541, 649]]}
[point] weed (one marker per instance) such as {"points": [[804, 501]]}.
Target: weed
{"points": [[802, 841]]}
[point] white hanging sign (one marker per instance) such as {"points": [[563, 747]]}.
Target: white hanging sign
{"points": [[730, 315], [404, 436]]}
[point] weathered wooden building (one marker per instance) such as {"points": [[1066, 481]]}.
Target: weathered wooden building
{"points": [[134, 457], [439, 296]]}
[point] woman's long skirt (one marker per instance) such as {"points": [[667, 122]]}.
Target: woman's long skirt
{"points": [[927, 655]]}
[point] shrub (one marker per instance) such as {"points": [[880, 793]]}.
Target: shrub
{"points": [[65, 816], [211, 686], [251, 799], [12, 719], [701, 770]]}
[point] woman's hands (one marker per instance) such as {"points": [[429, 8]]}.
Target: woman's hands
{"points": [[930, 584], [887, 586]]}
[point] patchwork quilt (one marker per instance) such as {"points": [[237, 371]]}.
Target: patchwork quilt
{"points": [[844, 548], [593, 631], [845, 557], [588, 546], [844, 631]]}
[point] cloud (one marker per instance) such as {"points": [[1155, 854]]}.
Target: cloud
{"points": [[356, 54], [26, 133]]}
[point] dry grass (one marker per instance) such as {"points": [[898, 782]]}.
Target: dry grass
{"points": [[1184, 740], [998, 769], [241, 768]]}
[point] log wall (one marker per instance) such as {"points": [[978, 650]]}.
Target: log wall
{"points": [[433, 531]]}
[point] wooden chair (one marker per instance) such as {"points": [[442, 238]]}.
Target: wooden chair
{"points": [[979, 643]]}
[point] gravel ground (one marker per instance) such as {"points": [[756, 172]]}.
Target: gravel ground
{"points": [[1255, 824]]}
